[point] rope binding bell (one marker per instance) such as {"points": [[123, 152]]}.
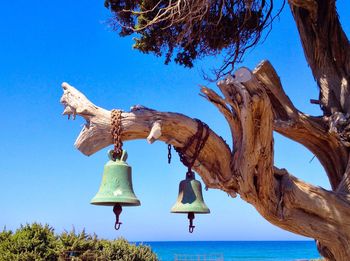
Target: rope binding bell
{"points": [[190, 198]]}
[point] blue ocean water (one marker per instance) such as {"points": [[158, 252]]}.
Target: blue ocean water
{"points": [[238, 250]]}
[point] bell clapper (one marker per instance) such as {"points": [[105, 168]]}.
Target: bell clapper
{"points": [[117, 209], [190, 217]]}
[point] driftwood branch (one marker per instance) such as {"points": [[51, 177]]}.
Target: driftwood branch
{"points": [[213, 163]]}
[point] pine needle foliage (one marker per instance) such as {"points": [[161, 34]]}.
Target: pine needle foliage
{"points": [[191, 29]]}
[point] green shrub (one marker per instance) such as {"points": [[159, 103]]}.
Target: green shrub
{"points": [[122, 250], [5, 245], [30, 242], [36, 242], [81, 246]]}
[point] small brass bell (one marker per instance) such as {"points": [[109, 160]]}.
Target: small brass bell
{"points": [[116, 186], [190, 199]]}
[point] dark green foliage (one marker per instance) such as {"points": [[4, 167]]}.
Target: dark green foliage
{"points": [[79, 246], [122, 250], [192, 28], [29, 242], [38, 242]]}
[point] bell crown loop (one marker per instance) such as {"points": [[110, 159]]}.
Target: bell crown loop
{"points": [[122, 157], [190, 174]]}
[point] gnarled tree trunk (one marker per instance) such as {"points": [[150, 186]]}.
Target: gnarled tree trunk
{"points": [[327, 51], [254, 105]]}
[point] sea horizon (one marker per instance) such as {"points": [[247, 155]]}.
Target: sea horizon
{"points": [[256, 240], [236, 250]]}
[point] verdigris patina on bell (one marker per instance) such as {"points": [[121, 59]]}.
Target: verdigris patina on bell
{"points": [[116, 186], [190, 199]]}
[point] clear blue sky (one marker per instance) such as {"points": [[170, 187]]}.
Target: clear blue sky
{"points": [[44, 178]]}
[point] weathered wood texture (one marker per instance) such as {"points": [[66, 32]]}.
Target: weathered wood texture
{"points": [[327, 51], [144, 123], [254, 104]]}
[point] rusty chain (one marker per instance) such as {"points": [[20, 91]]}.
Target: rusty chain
{"points": [[169, 153], [116, 116], [116, 131], [200, 142]]}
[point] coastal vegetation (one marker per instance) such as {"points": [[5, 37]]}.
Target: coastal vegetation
{"points": [[36, 242]]}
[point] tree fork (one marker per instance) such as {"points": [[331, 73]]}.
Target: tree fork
{"points": [[312, 132], [254, 104]]}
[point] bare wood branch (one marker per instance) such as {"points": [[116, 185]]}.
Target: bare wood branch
{"points": [[220, 103], [311, 211], [252, 161], [213, 163], [344, 186], [309, 5], [155, 132], [312, 132]]}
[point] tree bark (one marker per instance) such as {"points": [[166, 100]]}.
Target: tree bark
{"points": [[327, 51], [254, 104], [213, 164]]}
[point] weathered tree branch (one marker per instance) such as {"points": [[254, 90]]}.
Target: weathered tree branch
{"points": [[313, 212], [213, 163], [312, 132], [251, 125]]}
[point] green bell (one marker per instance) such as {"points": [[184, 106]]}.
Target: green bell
{"points": [[190, 199], [116, 186]]}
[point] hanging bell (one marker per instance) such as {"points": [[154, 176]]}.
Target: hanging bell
{"points": [[116, 186], [190, 199]]}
